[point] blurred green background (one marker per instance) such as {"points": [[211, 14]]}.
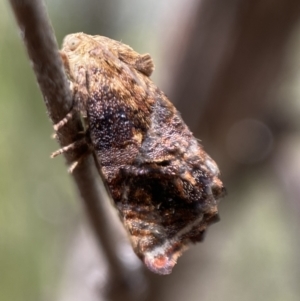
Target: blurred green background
{"points": [[233, 72]]}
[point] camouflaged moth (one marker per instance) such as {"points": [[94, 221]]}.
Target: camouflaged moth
{"points": [[164, 185]]}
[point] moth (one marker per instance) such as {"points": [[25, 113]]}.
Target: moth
{"points": [[164, 185]]}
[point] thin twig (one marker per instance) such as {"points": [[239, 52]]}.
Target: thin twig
{"points": [[43, 52]]}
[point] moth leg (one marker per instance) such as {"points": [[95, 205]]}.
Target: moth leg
{"points": [[80, 96], [77, 162], [71, 147], [82, 142], [54, 136], [65, 120]]}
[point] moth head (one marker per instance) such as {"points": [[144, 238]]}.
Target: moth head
{"points": [[72, 42], [75, 48], [76, 43]]}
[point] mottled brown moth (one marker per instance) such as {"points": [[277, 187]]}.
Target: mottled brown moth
{"points": [[164, 185]]}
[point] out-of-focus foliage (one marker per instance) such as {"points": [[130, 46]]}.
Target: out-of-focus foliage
{"points": [[252, 254]]}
